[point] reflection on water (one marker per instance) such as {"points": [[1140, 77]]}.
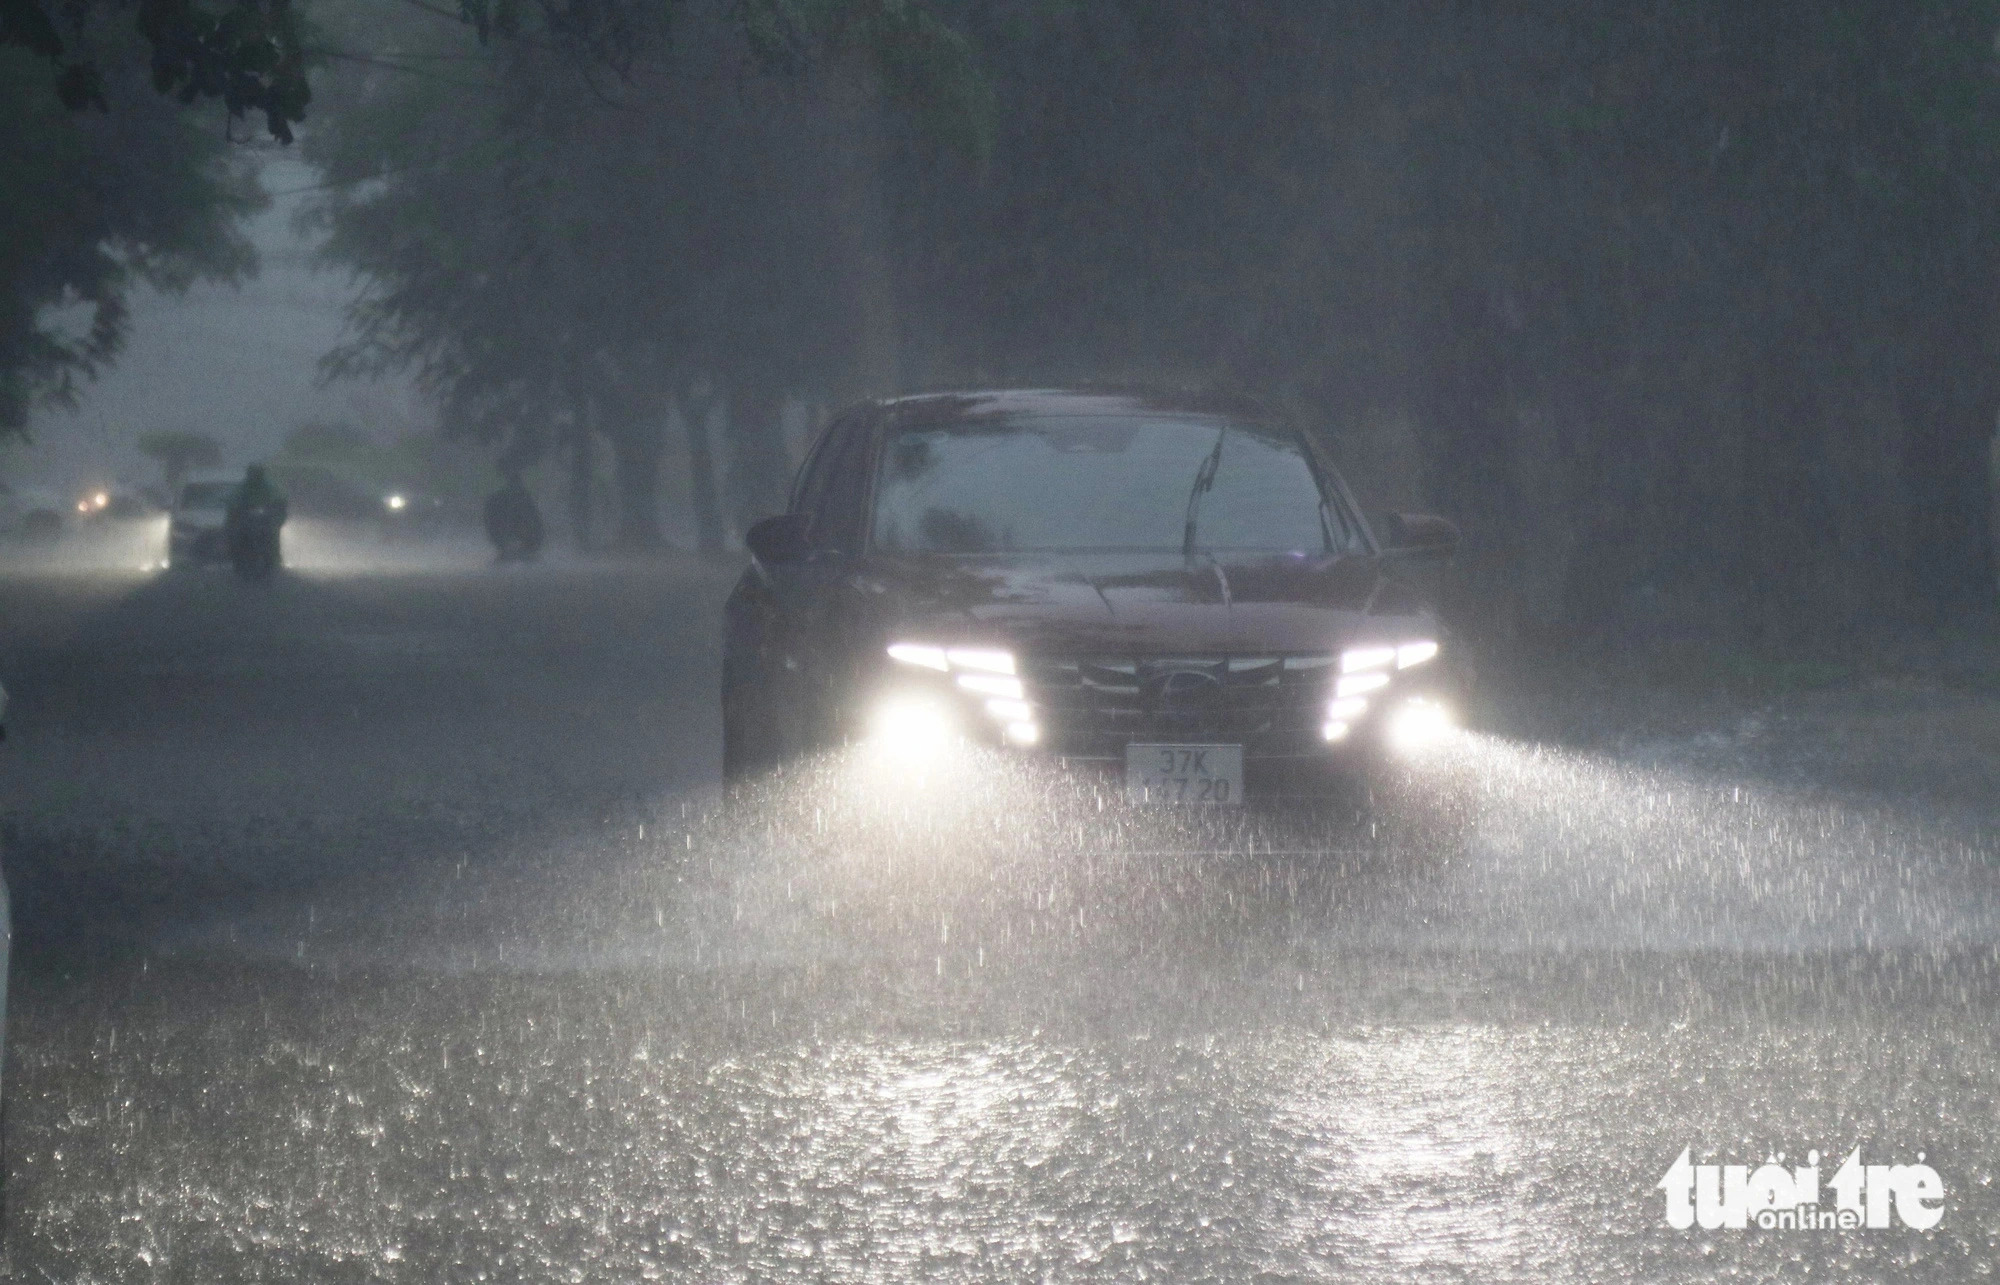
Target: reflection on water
{"points": [[636, 1132], [964, 1021]]}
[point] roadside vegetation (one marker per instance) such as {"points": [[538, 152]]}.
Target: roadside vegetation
{"points": [[1685, 312]]}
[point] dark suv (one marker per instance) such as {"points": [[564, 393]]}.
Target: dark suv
{"points": [[1177, 589]]}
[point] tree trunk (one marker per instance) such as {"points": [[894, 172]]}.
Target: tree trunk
{"points": [[702, 497], [759, 465], [635, 452], [582, 468]]}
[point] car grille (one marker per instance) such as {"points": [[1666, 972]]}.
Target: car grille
{"points": [[1092, 706]]}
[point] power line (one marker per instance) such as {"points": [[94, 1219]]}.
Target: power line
{"points": [[378, 60]]}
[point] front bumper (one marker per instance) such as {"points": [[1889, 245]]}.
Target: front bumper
{"points": [[1087, 709], [196, 544]]}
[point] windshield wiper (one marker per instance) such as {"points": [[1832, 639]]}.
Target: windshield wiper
{"points": [[1204, 482]]}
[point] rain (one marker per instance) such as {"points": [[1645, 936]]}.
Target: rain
{"points": [[446, 904]]}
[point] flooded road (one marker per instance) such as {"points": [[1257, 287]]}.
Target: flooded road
{"points": [[384, 924]]}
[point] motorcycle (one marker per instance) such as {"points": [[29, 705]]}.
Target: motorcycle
{"points": [[253, 541], [514, 525]]}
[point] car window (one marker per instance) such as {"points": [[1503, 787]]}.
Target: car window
{"points": [[836, 495], [1106, 482], [817, 475]]}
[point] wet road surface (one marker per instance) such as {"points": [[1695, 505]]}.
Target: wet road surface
{"points": [[382, 924]]}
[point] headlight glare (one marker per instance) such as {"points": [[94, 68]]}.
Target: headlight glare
{"points": [[1360, 658], [987, 660], [920, 655], [992, 685], [1023, 733], [912, 725], [1419, 724], [1415, 653], [1355, 684]]}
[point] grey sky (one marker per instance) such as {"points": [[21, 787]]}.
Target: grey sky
{"points": [[238, 363]]}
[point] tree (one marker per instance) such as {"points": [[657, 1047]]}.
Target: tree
{"points": [[94, 203], [1686, 309], [246, 54], [561, 257], [180, 453]]}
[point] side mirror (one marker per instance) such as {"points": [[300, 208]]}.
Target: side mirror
{"points": [[778, 540], [1420, 535]]}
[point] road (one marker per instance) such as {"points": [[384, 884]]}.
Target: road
{"points": [[382, 924]]}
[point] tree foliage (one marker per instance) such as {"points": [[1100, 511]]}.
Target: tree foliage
{"points": [[1685, 309], [558, 257], [246, 54], [94, 203]]}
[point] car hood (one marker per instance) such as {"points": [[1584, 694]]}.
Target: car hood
{"points": [[1142, 602]]}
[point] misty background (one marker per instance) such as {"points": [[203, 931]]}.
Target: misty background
{"points": [[1684, 311]]}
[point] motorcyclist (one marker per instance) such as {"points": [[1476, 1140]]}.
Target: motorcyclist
{"points": [[255, 492], [513, 521], [256, 513]]}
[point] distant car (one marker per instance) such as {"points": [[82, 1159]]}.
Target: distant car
{"points": [[194, 527], [1178, 591]]}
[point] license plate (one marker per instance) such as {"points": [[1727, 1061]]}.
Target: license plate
{"points": [[1184, 774]]}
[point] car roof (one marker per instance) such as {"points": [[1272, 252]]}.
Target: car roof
{"points": [[980, 403]]}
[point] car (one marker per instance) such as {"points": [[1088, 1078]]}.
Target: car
{"points": [[1176, 590], [194, 526]]}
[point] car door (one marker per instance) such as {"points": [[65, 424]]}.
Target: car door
{"points": [[799, 656], [830, 583]]}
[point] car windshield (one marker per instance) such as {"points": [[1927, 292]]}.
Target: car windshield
{"points": [[207, 495], [1180, 483]]}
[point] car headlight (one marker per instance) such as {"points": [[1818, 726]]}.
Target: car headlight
{"points": [[987, 672], [1365, 671], [1355, 684], [912, 725], [1360, 660], [1419, 724]]}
